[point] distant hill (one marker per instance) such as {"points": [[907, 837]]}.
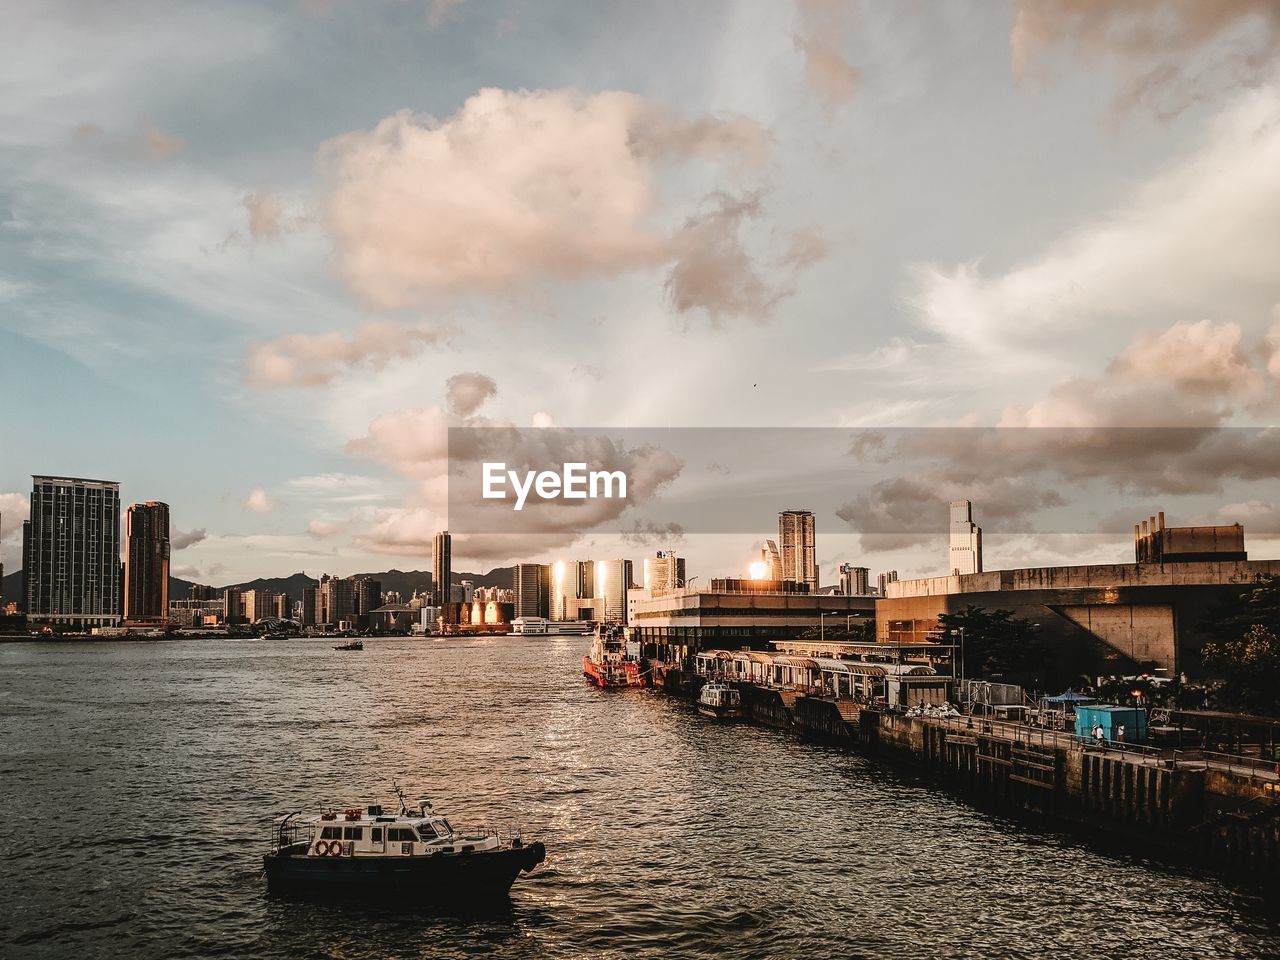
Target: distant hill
{"points": [[403, 581]]}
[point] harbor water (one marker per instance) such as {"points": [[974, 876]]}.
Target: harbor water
{"points": [[140, 781]]}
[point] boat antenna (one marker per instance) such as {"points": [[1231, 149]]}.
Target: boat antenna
{"points": [[404, 810]]}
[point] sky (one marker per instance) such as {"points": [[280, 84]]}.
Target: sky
{"points": [[257, 260]]}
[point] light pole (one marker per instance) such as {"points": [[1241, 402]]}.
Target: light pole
{"points": [[960, 630]]}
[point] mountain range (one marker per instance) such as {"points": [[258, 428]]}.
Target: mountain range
{"points": [[403, 581]]}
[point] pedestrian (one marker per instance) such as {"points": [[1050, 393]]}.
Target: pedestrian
{"points": [[1120, 733]]}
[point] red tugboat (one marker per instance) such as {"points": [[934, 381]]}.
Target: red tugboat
{"points": [[608, 664]]}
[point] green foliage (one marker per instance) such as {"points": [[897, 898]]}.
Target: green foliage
{"points": [[1000, 646], [1244, 648]]}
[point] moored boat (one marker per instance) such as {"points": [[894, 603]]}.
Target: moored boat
{"points": [[353, 645], [719, 700], [609, 663], [415, 853]]}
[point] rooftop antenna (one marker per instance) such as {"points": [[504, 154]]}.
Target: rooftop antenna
{"points": [[404, 810]]}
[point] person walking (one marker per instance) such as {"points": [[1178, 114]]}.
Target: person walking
{"points": [[1120, 733]]}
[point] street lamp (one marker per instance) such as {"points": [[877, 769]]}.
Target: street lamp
{"points": [[960, 630]]}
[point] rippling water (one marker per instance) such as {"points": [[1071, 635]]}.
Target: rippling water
{"points": [[139, 781]]}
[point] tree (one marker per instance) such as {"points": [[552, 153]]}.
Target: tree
{"points": [[1249, 668], [998, 645]]}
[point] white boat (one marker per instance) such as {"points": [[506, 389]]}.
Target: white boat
{"points": [[720, 701]]}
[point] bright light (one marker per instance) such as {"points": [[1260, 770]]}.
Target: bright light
{"points": [[559, 571], [758, 570]]}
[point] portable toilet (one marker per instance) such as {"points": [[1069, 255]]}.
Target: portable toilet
{"points": [[1112, 718]]}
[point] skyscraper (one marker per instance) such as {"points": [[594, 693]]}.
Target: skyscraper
{"points": [[310, 606], [368, 598], [71, 552], [532, 583], [883, 581], [573, 586], [441, 570], [613, 580], [146, 561], [854, 581], [663, 573], [796, 537], [337, 601], [965, 552], [772, 561]]}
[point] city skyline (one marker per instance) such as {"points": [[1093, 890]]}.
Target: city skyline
{"points": [[781, 203]]}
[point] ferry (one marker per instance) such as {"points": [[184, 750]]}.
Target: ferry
{"points": [[608, 664], [720, 701], [353, 645], [415, 853]]}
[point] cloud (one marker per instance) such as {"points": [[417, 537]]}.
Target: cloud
{"points": [[1198, 240], [266, 214], [14, 508], [833, 78], [186, 572], [714, 273], [337, 487], [1202, 357], [259, 502], [1271, 345], [309, 360], [161, 145], [181, 540], [1169, 53], [83, 132], [465, 393], [515, 186], [646, 533], [321, 528], [438, 11]]}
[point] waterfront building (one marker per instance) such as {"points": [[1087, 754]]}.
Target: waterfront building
{"points": [[146, 565], [232, 605], [663, 572], [771, 560], [368, 598], [854, 581], [260, 604], [468, 589], [613, 580], [310, 616], [573, 586], [189, 614], [337, 601], [730, 614], [200, 591], [965, 546], [1136, 616], [71, 553], [441, 567], [532, 589], [796, 536]]}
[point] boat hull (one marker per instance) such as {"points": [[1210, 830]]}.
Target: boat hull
{"points": [[720, 713], [623, 675], [442, 877]]}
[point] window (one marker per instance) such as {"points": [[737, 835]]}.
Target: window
{"points": [[426, 832], [331, 833], [352, 833], [400, 834], [377, 834]]}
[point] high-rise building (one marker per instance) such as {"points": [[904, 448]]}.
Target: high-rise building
{"points": [[71, 552], [884, 579], [854, 581], [200, 591], [441, 569], [532, 589], [368, 598], [771, 561], [796, 537], [260, 604], [613, 580], [965, 553], [310, 606], [468, 588], [146, 561], [663, 573], [337, 601], [573, 588], [232, 605]]}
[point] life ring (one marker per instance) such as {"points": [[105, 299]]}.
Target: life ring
{"points": [[322, 848], [335, 849]]}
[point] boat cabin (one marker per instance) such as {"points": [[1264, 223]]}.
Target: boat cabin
{"points": [[369, 832]]}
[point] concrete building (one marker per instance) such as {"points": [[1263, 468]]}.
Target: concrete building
{"points": [[855, 581], [965, 547], [71, 553], [663, 572], [796, 538], [337, 601], [146, 562], [441, 567], [468, 588], [1141, 615], [260, 604], [883, 581], [770, 561], [731, 614], [311, 606], [532, 589], [189, 614], [368, 598], [232, 606]]}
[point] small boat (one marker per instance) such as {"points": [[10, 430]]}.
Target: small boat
{"points": [[720, 701], [274, 636], [414, 853], [353, 645], [609, 664]]}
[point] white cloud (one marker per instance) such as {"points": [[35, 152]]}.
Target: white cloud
{"points": [[258, 501], [516, 185], [822, 23], [308, 360], [1202, 357], [14, 508], [181, 540], [322, 528], [1196, 241]]}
